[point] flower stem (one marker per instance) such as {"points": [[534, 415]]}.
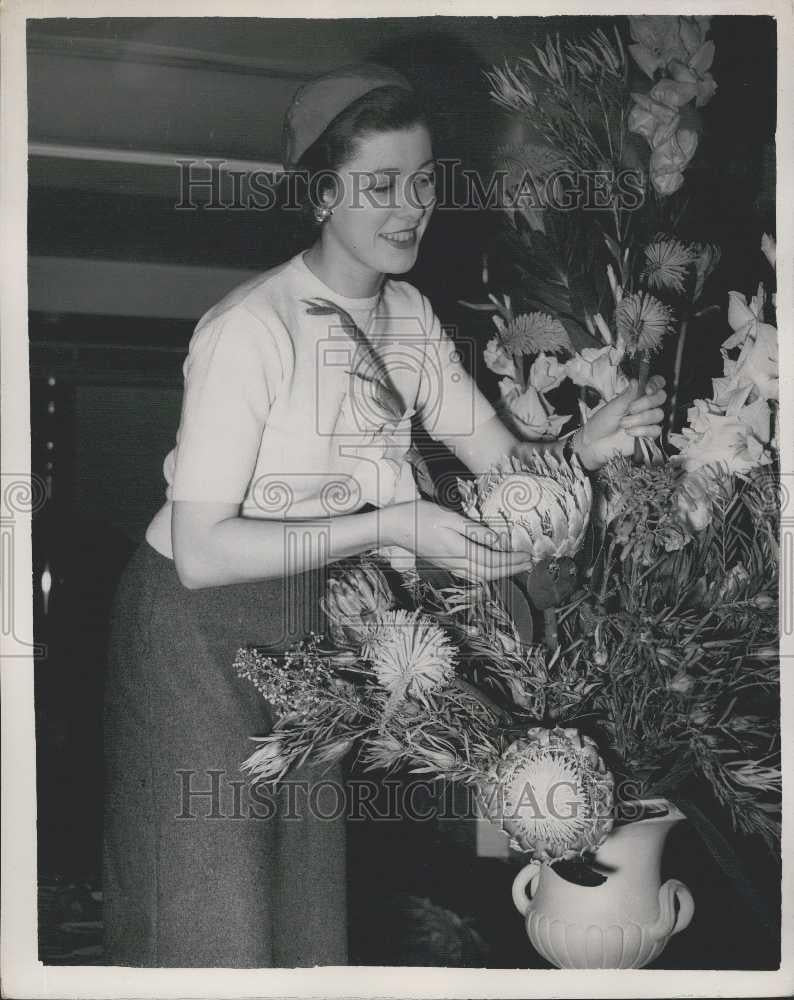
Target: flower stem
{"points": [[642, 379], [481, 697], [550, 629], [679, 357]]}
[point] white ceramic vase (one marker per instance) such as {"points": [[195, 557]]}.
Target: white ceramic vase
{"points": [[625, 922]]}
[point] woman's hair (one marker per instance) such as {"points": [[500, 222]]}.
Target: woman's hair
{"points": [[384, 109]]}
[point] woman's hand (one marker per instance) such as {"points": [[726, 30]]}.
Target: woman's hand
{"points": [[445, 538], [612, 430]]}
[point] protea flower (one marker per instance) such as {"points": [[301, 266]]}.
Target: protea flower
{"points": [[410, 654], [353, 600], [552, 794], [544, 503]]}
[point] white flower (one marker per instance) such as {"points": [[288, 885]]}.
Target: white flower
{"points": [[498, 360], [714, 437], [743, 316], [547, 373], [534, 418], [598, 367], [410, 654], [757, 363], [670, 158], [758, 417]]}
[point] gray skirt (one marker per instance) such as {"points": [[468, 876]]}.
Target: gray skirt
{"points": [[198, 870]]}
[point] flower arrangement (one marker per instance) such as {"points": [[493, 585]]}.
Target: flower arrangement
{"points": [[667, 650], [438, 680], [657, 576]]}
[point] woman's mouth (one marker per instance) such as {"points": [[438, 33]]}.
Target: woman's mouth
{"points": [[404, 239]]}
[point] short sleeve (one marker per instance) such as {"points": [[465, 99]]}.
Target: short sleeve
{"points": [[232, 374], [449, 403]]}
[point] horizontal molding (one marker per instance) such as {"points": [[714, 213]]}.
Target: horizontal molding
{"points": [[127, 288], [128, 50], [142, 157]]}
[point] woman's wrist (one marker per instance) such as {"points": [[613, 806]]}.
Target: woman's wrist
{"points": [[395, 523], [575, 444]]}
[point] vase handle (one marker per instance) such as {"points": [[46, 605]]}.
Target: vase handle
{"points": [[686, 905], [669, 922], [527, 877]]}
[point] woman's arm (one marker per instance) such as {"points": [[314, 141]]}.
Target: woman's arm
{"points": [[611, 431], [493, 441], [449, 399], [213, 546]]}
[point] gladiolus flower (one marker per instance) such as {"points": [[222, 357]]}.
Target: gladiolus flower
{"points": [[599, 368], [670, 159], [547, 373], [757, 364], [531, 414], [714, 438], [498, 360]]}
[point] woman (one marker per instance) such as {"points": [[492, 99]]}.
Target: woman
{"points": [[290, 455]]}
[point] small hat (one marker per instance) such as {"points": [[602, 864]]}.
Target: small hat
{"points": [[318, 102]]}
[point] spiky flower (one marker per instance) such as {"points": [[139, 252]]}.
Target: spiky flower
{"points": [[410, 654], [544, 503], [596, 56], [533, 333], [642, 320], [552, 794], [667, 263], [353, 599], [268, 762], [510, 87]]}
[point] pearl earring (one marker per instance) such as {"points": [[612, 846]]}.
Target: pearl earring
{"points": [[322, 212]]}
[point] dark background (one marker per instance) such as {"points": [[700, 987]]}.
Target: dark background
{"points": [[118, 278]]}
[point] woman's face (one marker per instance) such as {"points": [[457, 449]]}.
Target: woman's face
{"points": [[383, 202]]}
